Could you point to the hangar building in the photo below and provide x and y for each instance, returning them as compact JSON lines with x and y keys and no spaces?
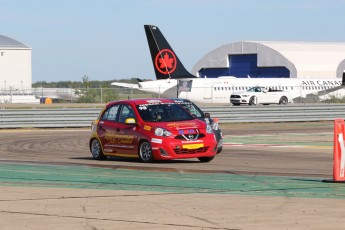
{"x":274,"y":59}
{"x":15,"y":65}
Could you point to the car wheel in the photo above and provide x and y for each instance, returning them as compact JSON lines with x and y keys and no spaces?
{"x":219,"y":150}
{"x":252,"y":101}
{"x":145,"y":152}
{"x":283,"y":100}
{"x":205,"y":159}
{"x":96,"y":150}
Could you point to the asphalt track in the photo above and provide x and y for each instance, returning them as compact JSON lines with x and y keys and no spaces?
{"x":269,"y":176}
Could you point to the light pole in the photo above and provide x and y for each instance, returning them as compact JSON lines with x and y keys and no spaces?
{"x":101,"y":94}
{"x":70,"y":95}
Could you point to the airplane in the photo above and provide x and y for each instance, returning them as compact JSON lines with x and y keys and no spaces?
{"x":173,"y":80}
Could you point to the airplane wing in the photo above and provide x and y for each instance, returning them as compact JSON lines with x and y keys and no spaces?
{"x":327,"y":91}
{"x":315,"y":97}
{"x":126,"y":85}
{"x":330,"y":90}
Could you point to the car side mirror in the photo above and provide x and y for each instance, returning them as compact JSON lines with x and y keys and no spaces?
{"x":130,"y":121}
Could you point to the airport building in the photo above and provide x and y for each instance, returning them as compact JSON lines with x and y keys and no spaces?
{"x":15,"y":72}
{"x":274,"y":59}
{"x":15,"y":65}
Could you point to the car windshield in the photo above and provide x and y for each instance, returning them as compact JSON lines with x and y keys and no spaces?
{"x":193,"y":109}
{"x":255,"y":89}
{"x":163,"y":113}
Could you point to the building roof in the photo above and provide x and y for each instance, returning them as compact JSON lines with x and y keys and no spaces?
{"x":303,"y":59}
{"x":10,"y":43}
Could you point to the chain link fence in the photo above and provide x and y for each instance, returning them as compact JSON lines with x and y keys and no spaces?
{"x":103,"y":95}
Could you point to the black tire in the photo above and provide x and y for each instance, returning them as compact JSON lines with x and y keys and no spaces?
{"x":219,"y":150}
{"x":252,"y":101}
{"x":96,"y":150}
{"x":205,"y":159}
{"x":283,"y":101}
{"x":145,"y":152}
{"x":236,"y":104}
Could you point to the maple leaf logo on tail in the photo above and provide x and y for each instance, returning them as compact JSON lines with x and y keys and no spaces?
{"x":165,"y":61}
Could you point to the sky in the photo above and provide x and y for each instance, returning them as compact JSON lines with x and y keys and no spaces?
{"x":105,"y":39}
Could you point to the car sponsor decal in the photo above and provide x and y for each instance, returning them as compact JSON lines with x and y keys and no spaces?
{"x":119,"y":146}
{"x":156,"y":140}
{"x":153,"y":101}
{"x":187,"y":131}
{"x":192,"y":146}
{"x":142,"y":107}
{"x":148,"y":128}
{"x":124,"y":146}
{"x":112,"y":138}
{"x":178,"y":125}
{"x":192,"y":141}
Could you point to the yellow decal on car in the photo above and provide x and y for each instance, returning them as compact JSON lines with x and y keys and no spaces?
{"x":193,"y":146}
{"x":177,"y":125}
{"x":146,"y":127}
{"x":113,"y":138}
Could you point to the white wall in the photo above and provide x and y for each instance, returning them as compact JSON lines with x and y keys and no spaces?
{"x":15,"y":69}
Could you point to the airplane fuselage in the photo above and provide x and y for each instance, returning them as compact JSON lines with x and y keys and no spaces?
{"x":218,"y":90}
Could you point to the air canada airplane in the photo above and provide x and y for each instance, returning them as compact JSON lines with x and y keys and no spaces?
{"x":173,"y":80}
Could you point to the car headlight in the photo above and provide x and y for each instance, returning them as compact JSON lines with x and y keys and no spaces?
{"x":162,"y":132}
{"x":209,"y":129}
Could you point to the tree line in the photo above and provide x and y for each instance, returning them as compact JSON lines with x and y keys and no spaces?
{"x":90,"y":91}
{"x":85,"y":83}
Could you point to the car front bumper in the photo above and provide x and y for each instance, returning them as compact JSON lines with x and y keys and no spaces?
{"x":177,"y":149}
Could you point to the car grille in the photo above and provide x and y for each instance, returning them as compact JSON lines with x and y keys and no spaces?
{"x":190,"y":136}
{"x":191,"y":151}
{"x":235,"y":96}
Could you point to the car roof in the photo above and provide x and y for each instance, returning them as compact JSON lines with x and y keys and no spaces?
{"x":142,"y":101}
{"x":180,"y":100}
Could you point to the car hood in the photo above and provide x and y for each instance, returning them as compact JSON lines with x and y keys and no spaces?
{"x":242,"y":92}
{"x":179,"y":125}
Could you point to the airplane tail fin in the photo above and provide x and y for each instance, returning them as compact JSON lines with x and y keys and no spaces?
{"x":165,"y":62}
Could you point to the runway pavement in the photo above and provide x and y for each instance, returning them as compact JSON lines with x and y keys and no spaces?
{"x":269,"y":176}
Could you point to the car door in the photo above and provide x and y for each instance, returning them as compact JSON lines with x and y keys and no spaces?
{"x":264,"y":96}
{"x":106,"y":128}
{"x":117,"y":137}
{"x":127,"y":134}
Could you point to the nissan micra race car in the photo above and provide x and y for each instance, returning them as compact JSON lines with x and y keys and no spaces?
{"x":150,"y":129}
{"x":198,"y":113}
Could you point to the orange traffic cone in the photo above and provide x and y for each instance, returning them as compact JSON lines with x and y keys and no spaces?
{"x":339,"y":151}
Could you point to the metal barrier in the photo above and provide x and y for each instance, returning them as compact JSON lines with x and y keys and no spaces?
{"x":47,"y":118}
{"x":277,"y":113}
{"x":82,"y":117}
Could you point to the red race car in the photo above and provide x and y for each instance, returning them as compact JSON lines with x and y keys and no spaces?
{"x":151,"y":129}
